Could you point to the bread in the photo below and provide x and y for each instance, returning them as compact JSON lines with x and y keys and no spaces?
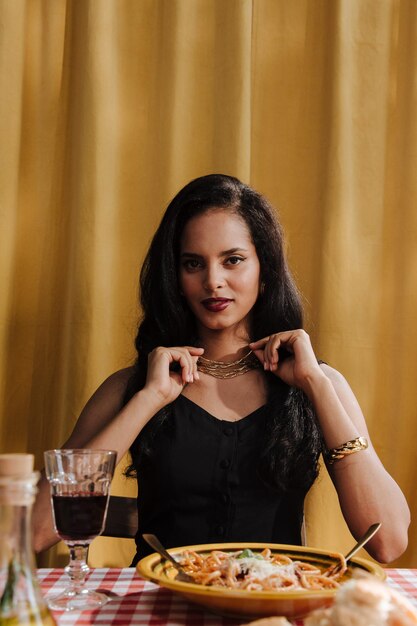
{"x":271,"y":621}
{"x":365,"y":601}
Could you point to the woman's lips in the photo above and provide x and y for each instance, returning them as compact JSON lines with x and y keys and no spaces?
{"x":216,"y":304}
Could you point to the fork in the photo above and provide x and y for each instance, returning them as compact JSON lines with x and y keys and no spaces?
{"x":154,"y":542}
{"x":333,"y":569}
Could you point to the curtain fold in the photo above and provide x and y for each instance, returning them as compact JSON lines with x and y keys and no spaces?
{"x":108,"y":107}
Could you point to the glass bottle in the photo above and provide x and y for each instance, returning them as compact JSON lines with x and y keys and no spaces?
{"x":21,"y":601}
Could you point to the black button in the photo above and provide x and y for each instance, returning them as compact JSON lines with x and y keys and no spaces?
{"x":225,"y":498}
{"x":225,"y":463}
{"x":228,"y":431}
{"x":219,"y":530}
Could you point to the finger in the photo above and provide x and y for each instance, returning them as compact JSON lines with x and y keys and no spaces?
{"x":293,"y":343}
{"x":187,"y":369}
{"x":260,"y":355}
{"x":272,"y":349}
{"x":257,"y":345}
{"x":194,"y":351}
{"x":195,"y":369}
{"x":183,"y":357}
{"x":268,"y":352}
{"x":195,"y":355}
{"x":262,"y":346}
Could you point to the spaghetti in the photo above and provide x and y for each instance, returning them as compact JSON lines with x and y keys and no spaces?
{"x":262,"y":571}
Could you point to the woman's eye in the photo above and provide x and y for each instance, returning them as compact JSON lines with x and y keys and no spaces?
{"x":191,"y":264}
{"x":234,"y":260}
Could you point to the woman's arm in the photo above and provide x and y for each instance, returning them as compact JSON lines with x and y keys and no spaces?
{"x":367,"y":493}
{"x":89,"y":431}
{"x":106,"y":424}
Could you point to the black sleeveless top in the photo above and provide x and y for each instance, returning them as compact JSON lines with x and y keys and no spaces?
{"x":200,"y":485}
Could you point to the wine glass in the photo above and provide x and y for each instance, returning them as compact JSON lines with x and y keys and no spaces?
{"x":80,"y":487}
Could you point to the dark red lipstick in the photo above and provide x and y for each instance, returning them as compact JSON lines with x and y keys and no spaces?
{"x":216,"y":304}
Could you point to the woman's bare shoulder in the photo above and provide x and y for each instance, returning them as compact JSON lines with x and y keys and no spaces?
{"x":114,"y":386}
{"x":345,"y":395}
{"x":334,"y":375}
{"x":119,"y":378}
{"x":105,"y":403}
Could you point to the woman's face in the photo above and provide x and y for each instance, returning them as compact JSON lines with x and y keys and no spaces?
{"x":219,"y":270}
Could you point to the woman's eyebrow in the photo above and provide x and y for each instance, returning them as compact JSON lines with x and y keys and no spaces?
{"x":190,"y":254}
{"x":233,"y":251}
{"x":224,"y":253}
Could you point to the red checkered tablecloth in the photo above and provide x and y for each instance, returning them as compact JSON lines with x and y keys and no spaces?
{"x":137,"y":602}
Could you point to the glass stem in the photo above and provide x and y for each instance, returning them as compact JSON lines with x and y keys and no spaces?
{"x":77,"y":568}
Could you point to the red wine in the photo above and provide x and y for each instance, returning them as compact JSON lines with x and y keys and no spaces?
{"x":79,"y":517}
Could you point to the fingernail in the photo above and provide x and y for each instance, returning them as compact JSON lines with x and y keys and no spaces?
{"x":197,"y":376}
{"x":265,"y":365}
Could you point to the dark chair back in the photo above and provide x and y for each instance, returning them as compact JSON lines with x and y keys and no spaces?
{"x":122,"y":518}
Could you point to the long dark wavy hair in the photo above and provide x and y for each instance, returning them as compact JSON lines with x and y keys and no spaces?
{"x":293,"y":441}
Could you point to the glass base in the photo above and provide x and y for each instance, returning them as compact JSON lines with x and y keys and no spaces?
{"x":84,"y":600}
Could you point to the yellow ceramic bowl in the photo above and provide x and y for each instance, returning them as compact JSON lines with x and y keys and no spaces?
{"x":251,"y":604}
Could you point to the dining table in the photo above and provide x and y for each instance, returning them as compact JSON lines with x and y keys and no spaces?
{"x":138,"y":602}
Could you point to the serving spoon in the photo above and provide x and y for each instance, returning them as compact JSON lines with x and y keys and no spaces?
{"x":154,"y":542}
{"x":333,"y":569}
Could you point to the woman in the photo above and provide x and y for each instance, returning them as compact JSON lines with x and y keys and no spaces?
{"x":227,"y":408}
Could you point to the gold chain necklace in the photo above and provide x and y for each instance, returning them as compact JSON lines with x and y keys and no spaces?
{"x":222,"y":369}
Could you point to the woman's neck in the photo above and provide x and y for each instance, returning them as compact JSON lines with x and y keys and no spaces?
{"x":223,"y":346}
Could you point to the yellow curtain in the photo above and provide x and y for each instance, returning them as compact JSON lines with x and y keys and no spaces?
{"x":107,"y":107}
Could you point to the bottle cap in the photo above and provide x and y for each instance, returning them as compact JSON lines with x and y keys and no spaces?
{"x":16,"y":465}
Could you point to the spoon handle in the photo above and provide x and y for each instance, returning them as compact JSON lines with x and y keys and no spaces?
{"x":154,"y":542}
{"x":333,"y":569}
{"x":366,"y":537}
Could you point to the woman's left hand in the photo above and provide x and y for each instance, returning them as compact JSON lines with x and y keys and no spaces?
{"x":299,"y":366}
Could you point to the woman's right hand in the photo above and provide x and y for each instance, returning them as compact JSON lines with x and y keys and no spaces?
{"x":166,"y":382}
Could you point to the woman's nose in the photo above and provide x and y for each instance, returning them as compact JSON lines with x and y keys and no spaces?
{"x":214,"y":278}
